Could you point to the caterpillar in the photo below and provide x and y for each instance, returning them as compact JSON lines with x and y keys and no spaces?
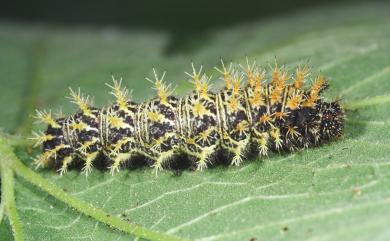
{"x":257,"y":111}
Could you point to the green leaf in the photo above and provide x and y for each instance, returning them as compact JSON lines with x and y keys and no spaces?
{"x":338,"y":191}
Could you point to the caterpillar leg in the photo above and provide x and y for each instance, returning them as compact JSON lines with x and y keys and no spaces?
{"x":89,"y":158}
{"x":60,"y":155}
{"x":276,"y":138}
{"x":88,"y":151}
{"x":239,"y":152}
{"x":161,"y":160}
{"x":118,"y":160}
{"x":65,"y":163}
{"x":204,"y":157}
{"x":57,"y":155}
{"x":119,"y":152}
{"x":237,"y":146}
{"x":261,"y":142}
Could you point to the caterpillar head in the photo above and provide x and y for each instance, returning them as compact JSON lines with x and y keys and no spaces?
{"x":332,"y":120}
{"x":52,"y":140}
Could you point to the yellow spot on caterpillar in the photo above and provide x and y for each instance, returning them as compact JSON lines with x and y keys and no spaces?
{"x":116,"y":147}
{"x":204,"y":135}
{"x":294,"y":102}
{"x":41,"y":161}
{"x":242,"y":127}
{"x":116,"y":122}
{"x":310,"y":102}
{"x":156,"y":145}
{"x":275,"y":75}
{"x":155,"y":117}
{"x":256,"y":99}
{"x":78,"y":126}
{"x":203,"y":157}
{"x":232,"y":104}
{"x":280,"y":115}
{"x":265,"y":118}
{"x":199,"y":109}
{"x":190,"y":141}
{"x":279,"y":77}
{"x":85,"y":145}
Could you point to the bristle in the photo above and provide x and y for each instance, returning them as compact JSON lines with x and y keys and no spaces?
{"x":82,"y":101}
{"x":250,"y":72}
{"x":41,"y":161}
{"x":236,"y":83}
{"x":40,"y":138}
{"x":64,"y":166}
{"x":259,"y":76}
{"x":120,"y":93}
{"x":315,"y":90}
{"x":275,"y":75}
{"x":196,"y":77}
{"x":163,"y":90}
{"x":294,"y":102}
{"x":226,"y":74}
{"x":204,"y":86}
{"x":301,"y":74}
{"x":46,"y":118}
{"x":201,"y":81}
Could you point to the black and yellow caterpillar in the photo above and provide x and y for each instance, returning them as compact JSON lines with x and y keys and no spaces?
{"x":270,"y":113}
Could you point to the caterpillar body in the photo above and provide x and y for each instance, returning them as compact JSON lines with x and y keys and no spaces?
{"x":272,"y":112}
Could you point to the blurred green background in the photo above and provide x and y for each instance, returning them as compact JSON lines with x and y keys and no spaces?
{"x":186,"y":21}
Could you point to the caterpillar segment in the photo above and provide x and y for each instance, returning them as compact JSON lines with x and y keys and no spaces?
{"x":117,"y":127}
{"x":199,"y":118}
{"x":255,"y":112}
{"x":158,"y":133}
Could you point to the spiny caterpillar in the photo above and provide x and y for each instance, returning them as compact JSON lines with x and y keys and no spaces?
{"x":270,"y":113}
